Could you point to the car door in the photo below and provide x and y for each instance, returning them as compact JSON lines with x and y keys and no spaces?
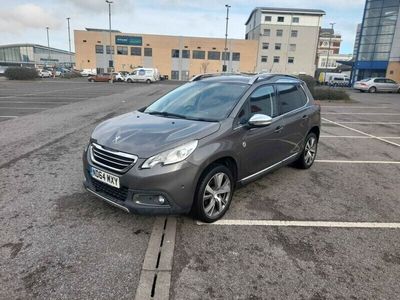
{"x":380,"y":84}
{"x":391,"y":85}
{"x":261,"y":145}
{"x":292,"y":102}
{"x":141,"y":75}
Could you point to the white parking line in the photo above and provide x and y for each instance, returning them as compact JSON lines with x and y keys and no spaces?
{"x":361,"y":113}
{"x":23,"y":107}
{"x":362,"y":132}
{"x":367,"y":107}
{"x":36,"y":102}
{"x":8,"y":117}
{"x":302,"y":224}
{"x":357,"y":137}
{"x":357,"y":161}
{"x":368,"y":123}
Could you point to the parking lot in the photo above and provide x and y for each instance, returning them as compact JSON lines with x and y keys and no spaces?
{"x":330,"y":232}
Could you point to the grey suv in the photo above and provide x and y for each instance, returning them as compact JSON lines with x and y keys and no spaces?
{"x":188,"y":150}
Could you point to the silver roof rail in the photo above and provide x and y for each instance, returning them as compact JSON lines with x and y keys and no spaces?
{"x":207,"y":75}
{"x":261,"y":76}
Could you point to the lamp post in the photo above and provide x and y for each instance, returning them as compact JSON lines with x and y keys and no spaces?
{"x":224,"y":68}
{"x":329,"y":50}
{"x":69,"y":43}
{"x":111,"y":63}
{"x":48,"y":44}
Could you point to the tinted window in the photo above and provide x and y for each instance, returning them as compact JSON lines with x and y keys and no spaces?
{"x":290,"y":97}
{"x":185,"y":53}
{"x":390,"y":81}
{"x":137,"y":51}
{"x":197,"y":54}
{"x":379,"y":80}
{"x":214,"y":55}
{"x":263,"y":101}
{"x":148,"y":52}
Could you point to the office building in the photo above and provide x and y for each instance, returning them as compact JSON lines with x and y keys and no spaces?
{"x":287,"y":39}
{"x":378,"y":54}
{"x":33,"y":55}
{"x":179,"y":57}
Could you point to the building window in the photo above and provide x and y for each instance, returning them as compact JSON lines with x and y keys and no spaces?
{"x":267,"y":32}
{"x":290,"y":60}
{"x":279,"y":32}
{"x":99,"y":49}
{"x":199,"y":54}
{"x":292,"y":47}
{"x":185,"y":53}
{"x":235,"y":56}
{"x":276,"y":59}
{"x":294,"y":33}
{"x":175,"y":53}
{"x":175,"y":75}
{"x":214,"y":55}
{"x":264,"y":59}
{"x":278,"y":46}
{"x":148,"y":51}
{"x":281,"y":19}
{"x":295,"y":20}
{"x":136,"y":51}
{"x":108,"y":49}
{"x":225,"y":56}
{"x":122,"y":50}
{"x":267,"y":18}
{"x":265,"y":46}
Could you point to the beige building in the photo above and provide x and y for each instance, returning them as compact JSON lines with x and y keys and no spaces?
{"x":287,"y":39}
{"x":179,"y":57}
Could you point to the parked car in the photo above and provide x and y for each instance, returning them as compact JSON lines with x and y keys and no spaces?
{"x":105,"y":77}
{"x":330,"y":78}
{"x":118,"y":76}
{"x":147,"y":75}
{"x":378,"y":84}
{"x":88,"y":72}
{"x":341,"y":81}
{"x":189,"y":149}
{"x":44,"y":73}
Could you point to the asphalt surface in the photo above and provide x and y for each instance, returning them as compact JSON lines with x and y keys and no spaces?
{"x":58,"y":242}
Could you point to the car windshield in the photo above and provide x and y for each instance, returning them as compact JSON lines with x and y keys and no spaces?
{"x":199,"y":100}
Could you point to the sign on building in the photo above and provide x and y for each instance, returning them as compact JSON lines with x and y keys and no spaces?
{"x":128,"y":40}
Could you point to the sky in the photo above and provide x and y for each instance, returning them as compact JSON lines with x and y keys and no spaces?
{"x":26,"y":21}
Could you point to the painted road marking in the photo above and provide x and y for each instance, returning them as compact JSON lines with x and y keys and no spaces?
{"x":361,"y":113}
{"x":368,"y":123}
{"x":357,"y":161}
{"x":302,"y":224}
{"x":1,"y":108}
{"x":362,"y":132}
{"x":368,"y":107}
{"x":37,"y":102}
{"x":357,"y":137}
{"x":8,"y":116}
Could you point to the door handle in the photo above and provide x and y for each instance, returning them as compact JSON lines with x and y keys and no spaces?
{"x":278,"y":129}
{"x":305,"y":117}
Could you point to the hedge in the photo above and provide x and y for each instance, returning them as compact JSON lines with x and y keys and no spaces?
{"x":20,"y":73}
{"x":330,"y":94}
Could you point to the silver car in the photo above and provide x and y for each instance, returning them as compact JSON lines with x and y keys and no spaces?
{"x":377,"y":84}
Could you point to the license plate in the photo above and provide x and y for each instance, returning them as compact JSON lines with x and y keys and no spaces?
{"x":104,"y":177}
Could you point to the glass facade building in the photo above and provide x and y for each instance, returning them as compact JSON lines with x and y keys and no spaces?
{"x":376,"y":38}
{"x":32,"y":55}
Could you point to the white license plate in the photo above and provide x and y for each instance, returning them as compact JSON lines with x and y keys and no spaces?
{"x":105,"y":177}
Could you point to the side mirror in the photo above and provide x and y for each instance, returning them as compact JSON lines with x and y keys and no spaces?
{"x":259,"y":120}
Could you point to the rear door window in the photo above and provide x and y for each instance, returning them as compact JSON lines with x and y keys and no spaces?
{"x":263,"y":101}
{"x":290,"y":97}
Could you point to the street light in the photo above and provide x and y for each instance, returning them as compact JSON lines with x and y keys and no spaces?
{"x":110,"y":64}
{"x":224,"y":68}
{"x":69,"y":43}
{"x":48,"y":44}
{"x":329,"y":50}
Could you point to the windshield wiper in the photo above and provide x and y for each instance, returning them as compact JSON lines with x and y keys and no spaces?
{"x":167,"y":114}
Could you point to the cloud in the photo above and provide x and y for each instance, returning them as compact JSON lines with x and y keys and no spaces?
{"x":27,"y":16}
{"x":100,"y":6}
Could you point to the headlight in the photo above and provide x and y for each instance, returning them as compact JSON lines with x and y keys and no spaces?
{"x":171,"y":156}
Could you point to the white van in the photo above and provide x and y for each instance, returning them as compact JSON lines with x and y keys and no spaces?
{"x":147,"y":75}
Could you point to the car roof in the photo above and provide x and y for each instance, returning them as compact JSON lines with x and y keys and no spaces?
{"x":247,"y":78}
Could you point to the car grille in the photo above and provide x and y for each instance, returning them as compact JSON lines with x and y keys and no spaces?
{"x":119,"y":194}
{"x":115,"y":161}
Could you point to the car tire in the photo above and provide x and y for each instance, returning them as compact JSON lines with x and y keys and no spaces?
{"x":307,"y":157}
{"x":372,"y":89}
{"x":148,"y":81}
{"x":398,"y":91}
{"x":361,"y":91}
{"x":129,"y":80}
{"x":209,"y":205}
{"x":91,"y":80}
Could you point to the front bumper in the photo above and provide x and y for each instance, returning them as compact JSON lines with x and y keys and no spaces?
{"x":175,"y":183}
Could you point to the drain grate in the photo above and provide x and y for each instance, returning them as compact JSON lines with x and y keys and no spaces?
{"x":155,"y":277}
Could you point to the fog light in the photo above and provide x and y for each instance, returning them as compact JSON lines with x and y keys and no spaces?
{"x":147,"y":199}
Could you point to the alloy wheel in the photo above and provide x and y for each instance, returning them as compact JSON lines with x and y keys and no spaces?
{"x":310,"y":150}
{"x":216,"y":194}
